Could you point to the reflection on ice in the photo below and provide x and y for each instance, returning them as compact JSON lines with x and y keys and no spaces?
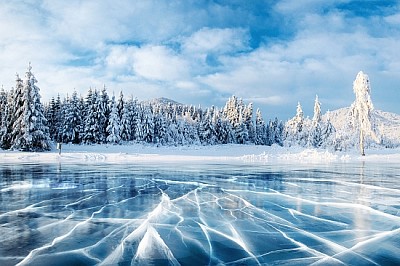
{"x":199,"y":215}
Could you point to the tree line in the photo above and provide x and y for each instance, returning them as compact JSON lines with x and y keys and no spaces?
{"x":97,"y":118}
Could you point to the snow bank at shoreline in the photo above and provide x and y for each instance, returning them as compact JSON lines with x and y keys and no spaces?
{"x":138,"y":153}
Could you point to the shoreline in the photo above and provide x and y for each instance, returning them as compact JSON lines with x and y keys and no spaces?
{"x":229,"y":153}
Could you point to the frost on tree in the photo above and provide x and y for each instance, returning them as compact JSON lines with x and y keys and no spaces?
{"x":30,"y":132}
{"x":361,"y":110}
{"x":295,"y":129}
{"x":315,"y":135}
{"x":113,"y":127}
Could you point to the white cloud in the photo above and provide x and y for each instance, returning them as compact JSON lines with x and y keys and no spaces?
{"x":214,"y":40}
{"x":159,"y":63}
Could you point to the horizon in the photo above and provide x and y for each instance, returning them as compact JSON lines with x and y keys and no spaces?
{"x":271,"y":53}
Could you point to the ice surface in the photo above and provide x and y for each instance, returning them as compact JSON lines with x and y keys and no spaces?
{"x":200,"y":214}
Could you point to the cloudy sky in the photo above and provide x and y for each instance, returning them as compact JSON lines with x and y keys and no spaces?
{"x":273,"y":53}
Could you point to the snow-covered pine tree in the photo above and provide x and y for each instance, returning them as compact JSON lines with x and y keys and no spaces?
{"x":103,"y":115}
{"x":361,"y":110}
{"x":126,"y":125}
{"x":3,"y":115}
{"x":16,"y":107}
{"x":64,"y":129}
{"x":72,"y":121}
{"x":275,"y":132}
{"x":248,"y":121}
{"x":206,"y":129}
{"x":217,"y":125}
{"x":113,"y":128}
{"x":328,"y":133}
{"x":232,"y":111}
{"x":160,"y":129}
{"x":92,"y":129}
{"x":145,"y":125}
{"x":271,"y":129}
{"x":315,"y":134}
{"x":120,"y":105}
{"x":9,"y":117}
{"x":294,"y":128}
{"x":53,"y":117}
{"x":279,"y":133}
{"x":260,"y":135}
{"x":135,"y":118}
{"x":34,"y":134}
{"x":190,"y":130}
{"x":317,"y":111}
{"x":240,"y":130}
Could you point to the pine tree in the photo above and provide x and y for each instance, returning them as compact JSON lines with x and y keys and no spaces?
{"x":16,"y":104}
{"x":248,"y":121}
{"x":294,"y":133}
{"x":120,"y":105}
{"x":34,"y":134}
{"x":362,"y":109}
{"x":53,"y":116}
{"x":3,"y":116}
{"x":240,"y":130}
{"x":71,"y":125}
{"x":64,"y":130}
{"x":144,"y":130}
{"x":92,"y":129}
{"x":328,"y":133}
{"x":160,"y":129}
{"x":103,"y":115}
{"x":279,"y":133}
{"x":126,"y":126}
{"x":148,"y":125}
{"x":315,"y":135}
{"x":260,"y":134}
{"x":113,"y":128}
{"x":317,"y":111}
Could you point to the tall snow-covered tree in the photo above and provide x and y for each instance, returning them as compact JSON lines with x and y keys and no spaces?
{"x":72,"y":122}
{"x":145,"y":126}
{"x":315,"y":134}
{"x":103,"y":114}
{"x":120,"y":105}
{"x":328,"y":133}
{"x":113,"y":128}
{"x":206,"y":129}
{"x":125,"y":128}
{"x":361,"y":110}
{"x":240,"y":129}
{"x":16,"y":108}
{"x":34,"y":134}
{"x":53,"y":116}
{"x":3,"y":115}
{"x":260,"y":134}
{"x":92,"y":128}
{"x":317,"y":111}
{"x":294,"y":133}
{"x":248,"y":121}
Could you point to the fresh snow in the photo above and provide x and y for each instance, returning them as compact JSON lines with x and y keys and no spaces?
{"x":230,"y":153}
{"x":388,"y":124}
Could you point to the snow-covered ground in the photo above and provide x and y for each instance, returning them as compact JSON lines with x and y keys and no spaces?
{"x":138,"y":153}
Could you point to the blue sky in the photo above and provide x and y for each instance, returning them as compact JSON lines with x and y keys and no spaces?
{"x":272,"y":53}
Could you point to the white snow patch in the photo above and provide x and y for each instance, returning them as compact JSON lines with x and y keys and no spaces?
{"x":138,"y":153}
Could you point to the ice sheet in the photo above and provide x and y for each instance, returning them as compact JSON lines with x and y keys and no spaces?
{"x":199,"y":214}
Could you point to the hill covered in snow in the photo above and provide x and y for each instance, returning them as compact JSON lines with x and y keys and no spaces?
{"x":387,"y":125}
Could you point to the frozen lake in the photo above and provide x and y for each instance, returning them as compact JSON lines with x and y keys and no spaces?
{"x":200,"y":214}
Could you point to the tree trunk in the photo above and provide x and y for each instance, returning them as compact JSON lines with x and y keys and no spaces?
{"x":362,"y":142}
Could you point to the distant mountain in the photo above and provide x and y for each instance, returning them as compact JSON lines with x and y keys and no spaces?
{"x":163,"y":101}
{"x":387,"y":124}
